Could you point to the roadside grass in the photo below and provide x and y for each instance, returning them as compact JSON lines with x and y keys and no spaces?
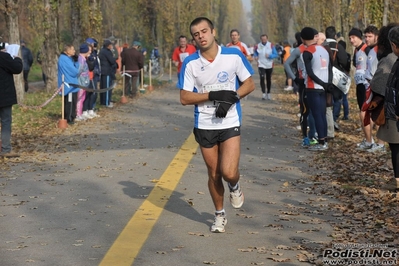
{"x":35,"y":73}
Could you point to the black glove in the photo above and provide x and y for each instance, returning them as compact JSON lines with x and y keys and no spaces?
{"x":222,"y":109}
{"x":326,"y":87}
{"x":299,"y":81}
{"x":329,"y":88}
{"x":75,"y":58}
{"x":224,"y":96}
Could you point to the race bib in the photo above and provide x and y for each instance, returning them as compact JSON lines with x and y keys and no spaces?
{"x":183,"y":56}
{"x":209,"y":106}
{"x":359,"y":77}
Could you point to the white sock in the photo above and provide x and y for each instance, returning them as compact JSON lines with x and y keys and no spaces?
{"x":222,"y":212}
{"x":233,"y":188}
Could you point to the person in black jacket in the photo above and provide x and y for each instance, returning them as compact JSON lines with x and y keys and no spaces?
{"x":340,"y":61}
{"x":108,"y":67}
{"x":27,"y":58}
{"x":8,"y":97}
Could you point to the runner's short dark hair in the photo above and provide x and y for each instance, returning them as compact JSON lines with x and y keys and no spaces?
{"x":393,"y":35}
{"x":198,"y":20}
{"x":371,"y":29}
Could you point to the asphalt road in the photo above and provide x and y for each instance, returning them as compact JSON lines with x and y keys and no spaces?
{"x":69,"y":204}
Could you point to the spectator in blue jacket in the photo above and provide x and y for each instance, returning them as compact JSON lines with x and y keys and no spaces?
{"x":68,"y":67}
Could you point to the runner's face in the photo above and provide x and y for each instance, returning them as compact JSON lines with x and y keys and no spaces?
{"x":370,"y":38}
{"x":183,"y":42}
{"x":355,"y":41}
{"x":263,"y":39}
{"x":235,"y":37}
{"x":203,"y":35}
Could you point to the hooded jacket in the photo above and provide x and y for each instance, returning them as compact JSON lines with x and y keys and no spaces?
{"x":8,"y":67}
{"x":70,"y":70}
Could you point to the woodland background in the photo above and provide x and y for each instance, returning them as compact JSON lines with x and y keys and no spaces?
{"x":45,"y":25}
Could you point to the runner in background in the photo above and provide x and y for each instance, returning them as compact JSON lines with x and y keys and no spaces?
{"x":236,"y":43}
{"x":181,"y":52}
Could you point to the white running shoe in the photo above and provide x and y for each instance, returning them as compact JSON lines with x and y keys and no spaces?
{"x":219,"y":223}
{"x":86,"y":115}
{"x":364,"y":145}
{"x":375,"y":147}
{"x":269,"y":97}
{"x":264,"y":96}
{"x":80,"y":118}
{"x":289,"y":88}
{"x":236,"y":197}
{"x":318,"y":147}
{"x":93,"y":114}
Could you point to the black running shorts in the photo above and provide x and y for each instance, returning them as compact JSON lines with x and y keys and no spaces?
{"x":209,"y":138}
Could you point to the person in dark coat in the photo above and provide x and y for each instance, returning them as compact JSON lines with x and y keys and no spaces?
{"x":9,"y":66}
{"x":27,"y":58}
{"x":133,"y":60}
{"x":108,"y":67}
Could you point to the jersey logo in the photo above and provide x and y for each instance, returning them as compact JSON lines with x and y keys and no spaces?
{"x":223,"y":76}
{"x":360,"y":58}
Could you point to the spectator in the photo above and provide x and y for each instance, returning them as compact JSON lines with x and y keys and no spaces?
{"x":133,"y":60}
{"x":39,"y":61}
{"x":317,"y":81}
{"x":340,"y":61}
{"x":84,"y":81}
{"x":108,"y":68}
{"x":28,"y":61}
{"x":8,"y":97}
{"x":286,"y":54}
{"x":95,"y":73}
{"x":306,"y":117}
{"x":360,"y":62}
{"x":68,"y":67}
{"x":389,"y":132}
{"x":114,"y":48}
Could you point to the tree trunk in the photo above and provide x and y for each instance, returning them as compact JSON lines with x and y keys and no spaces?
{"x":95,"y":19}
{"x":76,"y":24}
{"x":386,"y":11}
{"x":11,"y":17}
{"x":50,"y":50}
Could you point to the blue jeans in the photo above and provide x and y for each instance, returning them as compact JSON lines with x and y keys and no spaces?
{"x":337,"y":107}
{"x":312,"y":126}
{"x":317,"y":104}
{"x":6,"y":120}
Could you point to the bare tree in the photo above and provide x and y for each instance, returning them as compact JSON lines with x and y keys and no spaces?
{"x":50,"y":50}
{"x":76,"y":24}
{"x":385,"y":14}
{"x":10,"y":10}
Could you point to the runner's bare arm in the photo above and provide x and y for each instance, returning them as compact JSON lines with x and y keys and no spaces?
{"x":189,"y":97}
{"x":246,"y":87}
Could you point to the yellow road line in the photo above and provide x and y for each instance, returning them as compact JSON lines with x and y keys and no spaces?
{"x":129,"y":242}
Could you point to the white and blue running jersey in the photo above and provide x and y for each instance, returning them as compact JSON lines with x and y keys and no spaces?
{"x":201,"y":76}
